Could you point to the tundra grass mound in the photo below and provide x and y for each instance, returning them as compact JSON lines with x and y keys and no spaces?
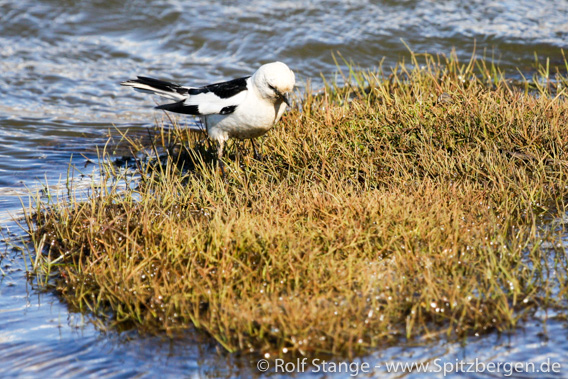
{"x":414,"y":203}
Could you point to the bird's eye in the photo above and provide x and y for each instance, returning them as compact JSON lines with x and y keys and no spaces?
{"x":272,"y":87}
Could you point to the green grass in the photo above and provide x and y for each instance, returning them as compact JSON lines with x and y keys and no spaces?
{"x":421,"y":202}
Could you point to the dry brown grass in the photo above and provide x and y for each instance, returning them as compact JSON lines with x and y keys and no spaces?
{"x":412,"y":204}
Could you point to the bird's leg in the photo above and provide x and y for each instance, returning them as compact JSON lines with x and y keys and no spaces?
{"x":220,"y":158}
{"x":257,"y":156}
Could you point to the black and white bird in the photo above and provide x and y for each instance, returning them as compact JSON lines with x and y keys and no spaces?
{"x":243,"y":108}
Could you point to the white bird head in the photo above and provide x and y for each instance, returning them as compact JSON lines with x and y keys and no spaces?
{"x":273,"y":81}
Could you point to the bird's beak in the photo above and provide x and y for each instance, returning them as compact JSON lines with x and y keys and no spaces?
{"x":283,"y":97}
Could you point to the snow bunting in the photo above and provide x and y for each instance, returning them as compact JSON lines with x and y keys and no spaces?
{"x":243,"y":108}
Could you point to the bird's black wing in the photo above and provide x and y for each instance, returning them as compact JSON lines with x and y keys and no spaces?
{"x":223,"y":90}
{"x":219,"y":98}
{"x":180,"y":107}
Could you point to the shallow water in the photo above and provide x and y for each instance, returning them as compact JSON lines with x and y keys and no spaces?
{"x":60,"y":64}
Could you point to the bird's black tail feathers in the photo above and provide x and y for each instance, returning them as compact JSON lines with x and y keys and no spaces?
{"x":159,"y":87}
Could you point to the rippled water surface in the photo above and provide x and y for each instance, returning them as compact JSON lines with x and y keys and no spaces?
{"x":60,"y":65}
